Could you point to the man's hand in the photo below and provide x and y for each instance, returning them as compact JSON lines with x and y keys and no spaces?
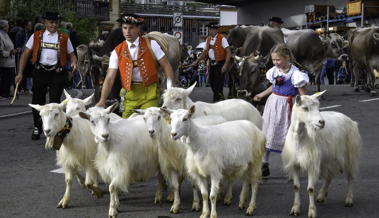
{"x":73,"y":66}
{"x":18,"y":78}
{"x":100,"y":104}
{"x":194,"y":63}
{"x":223,"y":69}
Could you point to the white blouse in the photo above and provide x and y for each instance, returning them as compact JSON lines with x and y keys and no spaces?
{"x":298,"y":78}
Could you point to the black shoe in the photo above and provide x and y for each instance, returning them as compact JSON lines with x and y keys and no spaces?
{"x":265,"y":169}
{"x":36,"y":134}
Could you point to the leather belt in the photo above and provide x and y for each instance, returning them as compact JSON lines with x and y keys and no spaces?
{"x":49,"y":68}
{"x":210,"y":46}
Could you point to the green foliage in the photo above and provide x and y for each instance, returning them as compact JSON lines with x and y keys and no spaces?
{"x":28,"y":9}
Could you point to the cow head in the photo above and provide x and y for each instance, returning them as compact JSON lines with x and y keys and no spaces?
{"x":249,"y":72}
{"x":334,"y":46}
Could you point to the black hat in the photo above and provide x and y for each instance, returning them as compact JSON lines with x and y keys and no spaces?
{"x":276,"y":19}
{"x":214,"y":25}
{"x":52,"y":15}
{"x":132,"y":18}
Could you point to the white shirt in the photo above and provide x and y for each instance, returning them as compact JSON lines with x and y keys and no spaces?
{"x":211,"y":53}
{"x":49,"y":56}
{"x":136,"y":77}
{"x":298,"y":78}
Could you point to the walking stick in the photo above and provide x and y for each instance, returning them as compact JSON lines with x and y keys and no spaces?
{"x":15,"y":93}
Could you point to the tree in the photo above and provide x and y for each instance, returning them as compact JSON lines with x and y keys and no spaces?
{"x":28,"y":9}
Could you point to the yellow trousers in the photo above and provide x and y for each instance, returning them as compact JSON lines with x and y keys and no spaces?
{"x":140,"y":98}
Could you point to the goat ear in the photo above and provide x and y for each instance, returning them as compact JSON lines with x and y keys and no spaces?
{"x":111,"y":108}
{"x":191,"y":110}
{"x":36,"y":106}
{"x":169,"y":83}
{"x":139,"y":111}
{"x":298,"y":100}
{"x":165,"y":110}
{"x":63,"y":103}
{"x":88,"y":100}
{"x":84,"y":115}
{"x":66,"y":94}
{"x":164,"y":113}
{"x":190,"y":89}
{"x":318,"y":94}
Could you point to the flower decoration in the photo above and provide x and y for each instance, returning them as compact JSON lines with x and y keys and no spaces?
{"x":257,"y":55}
{"x":60,"y":16}
{"x":279,"y":80}
{"x":127,"y":19}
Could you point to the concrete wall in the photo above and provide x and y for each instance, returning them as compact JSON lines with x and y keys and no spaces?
{"x":291,"y":11}
{"x":228,"y":17}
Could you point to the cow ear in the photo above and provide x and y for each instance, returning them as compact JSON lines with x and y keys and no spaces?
{"x":298,"y":100}
{"x":345,"y":43}
{"x":324,"y":40}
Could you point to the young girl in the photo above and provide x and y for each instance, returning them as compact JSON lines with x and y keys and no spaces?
{"x":287,"y":81}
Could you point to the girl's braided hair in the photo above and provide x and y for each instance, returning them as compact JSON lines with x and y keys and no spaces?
{"x":283,"y":50}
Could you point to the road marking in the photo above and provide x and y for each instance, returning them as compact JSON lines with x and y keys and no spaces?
{"x":373,"y":99}
{"x":333,"y":106}
{"x":60,"y":170}
{"x":15,"y":114}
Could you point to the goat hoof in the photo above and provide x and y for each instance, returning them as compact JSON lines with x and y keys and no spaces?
{"x":373,"y":94}
{"x":320,"y":201}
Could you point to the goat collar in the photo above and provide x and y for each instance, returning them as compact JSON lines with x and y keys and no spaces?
{"x":66,"y":129}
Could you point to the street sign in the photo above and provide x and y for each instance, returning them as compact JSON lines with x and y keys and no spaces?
{"x":179,"y":35}
{"x":178,"y":20}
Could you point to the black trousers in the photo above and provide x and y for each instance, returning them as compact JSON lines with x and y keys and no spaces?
{"x":6,"y":81}
{"x":42,"y":80}
{"x":216,"y":80}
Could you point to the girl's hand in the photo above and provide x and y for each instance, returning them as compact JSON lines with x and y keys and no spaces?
{"x":258,"y":97}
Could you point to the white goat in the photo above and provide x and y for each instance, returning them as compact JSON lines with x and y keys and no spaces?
{"x":77,"y":151}
{"x":125,"y":153}
{"x":171,"y":153}
{"x":320,"y":144}
{"x":76,"y":105}
{"x":231,"y":109}
{"x":230,"y":150}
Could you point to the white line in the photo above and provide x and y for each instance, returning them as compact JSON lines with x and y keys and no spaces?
{"x":373,"y":99}
{"x":15,"y":114}
{"x":60,"y":170}
{"x":333,"y":106}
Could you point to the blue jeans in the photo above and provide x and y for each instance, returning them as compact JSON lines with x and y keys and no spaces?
{"x":202,"y":79}
{"x":29,"y":84}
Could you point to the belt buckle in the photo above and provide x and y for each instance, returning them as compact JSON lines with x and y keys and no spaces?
{"x":135,"y":64}
{"x":214,"y":63}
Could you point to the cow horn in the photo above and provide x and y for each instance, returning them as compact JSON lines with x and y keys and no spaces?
{"x":237,"y":58}
{"x":376,"y":36}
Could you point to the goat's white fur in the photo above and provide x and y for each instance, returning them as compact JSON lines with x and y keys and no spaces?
{"x":230,"y":150}
{"x":320,"y":144}
{"x":172,"y":153}
{"x":76,"y":105}
{"x":231,"y":109}
{"x":78,"y":149}
{"x":125,"y":153}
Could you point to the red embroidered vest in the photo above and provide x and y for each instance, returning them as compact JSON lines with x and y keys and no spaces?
{"x":219,"y":51}
{"x":145,"y":63}
{"x":63,"y":38}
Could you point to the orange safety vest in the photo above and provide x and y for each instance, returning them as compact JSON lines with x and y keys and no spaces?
{"x":145,"y":63}
{"x":219,"y":51}
{"x":62,"y":55}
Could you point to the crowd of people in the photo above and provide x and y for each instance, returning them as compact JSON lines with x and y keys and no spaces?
{"x":12,"y":45}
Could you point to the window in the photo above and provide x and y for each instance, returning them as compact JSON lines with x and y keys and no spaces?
{"x":203,"y":30}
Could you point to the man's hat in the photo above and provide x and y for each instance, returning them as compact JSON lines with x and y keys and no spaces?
{"x":214,"y":25}
{"x":132,"y":18}
{"x":276,"y":19}
{"x":52,"y":15}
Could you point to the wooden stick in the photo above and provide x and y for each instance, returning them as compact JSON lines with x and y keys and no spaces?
{"x":15,"y":93}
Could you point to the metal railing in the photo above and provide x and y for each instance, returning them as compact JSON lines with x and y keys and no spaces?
{"x":89,"y":9}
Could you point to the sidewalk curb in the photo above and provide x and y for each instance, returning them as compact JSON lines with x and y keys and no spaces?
{"x":79,"y":94}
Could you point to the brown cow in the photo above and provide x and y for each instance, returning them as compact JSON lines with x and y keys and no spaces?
{"x":364,"y":55}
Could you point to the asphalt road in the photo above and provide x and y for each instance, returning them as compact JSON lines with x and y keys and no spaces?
{"x":28,"y":188}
